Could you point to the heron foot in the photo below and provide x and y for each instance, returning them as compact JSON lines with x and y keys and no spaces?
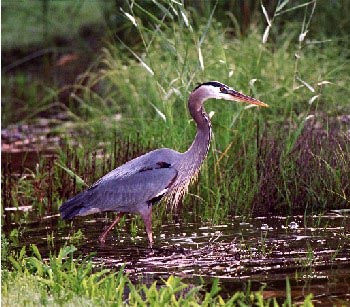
{"x":146,"y":215}
{"x":150,"y":241}
{"x":102,"y":237}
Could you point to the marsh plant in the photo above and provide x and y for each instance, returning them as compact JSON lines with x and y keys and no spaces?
{"x":291,"y":158}
{"x":135,"y":99}
{"x":261,"y":158}
{"x":65,"y":279}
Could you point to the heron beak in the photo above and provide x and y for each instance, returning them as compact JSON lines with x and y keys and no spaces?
{"x":236,"y":96}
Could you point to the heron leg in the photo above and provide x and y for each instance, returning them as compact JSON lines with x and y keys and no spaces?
{"x":146,"y":215}
{"x":102,"y":237}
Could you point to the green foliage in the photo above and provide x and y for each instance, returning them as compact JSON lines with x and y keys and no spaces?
{"x":5,"y":250}
{"x":297,"y":65}
{"x":297,"y":75}
{"x":77,"y":237}
{"x":14,"y":235}
{"x":80,"y":182}
{"x":63,"y":280}
{"x":27,"y":23}
{"x":258,"y":158}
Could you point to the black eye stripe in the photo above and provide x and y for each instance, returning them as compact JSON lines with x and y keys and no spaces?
{"x":212,"y":83}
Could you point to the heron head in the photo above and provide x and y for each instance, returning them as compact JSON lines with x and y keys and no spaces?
{"x":218,"y":90}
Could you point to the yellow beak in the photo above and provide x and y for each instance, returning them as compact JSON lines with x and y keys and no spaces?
{"x":237,"y":96}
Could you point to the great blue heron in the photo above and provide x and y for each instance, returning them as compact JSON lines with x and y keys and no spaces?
{"x":137,"y":185}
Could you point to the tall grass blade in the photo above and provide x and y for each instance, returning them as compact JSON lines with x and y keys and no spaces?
{"x":295,"y":7}
{"x":309,"y":87}
{"x":266,"y":34}
{"x":160,"y":113}
{"x":76,"y":177}
{"x":281,"y":5}
{"x":138,"y":58}
{"x":130,"y":17}
{"x":200,"y":58}
{"x":265,"y":14}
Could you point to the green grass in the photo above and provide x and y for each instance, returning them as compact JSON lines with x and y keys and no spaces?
{"x":24,"y":98}
{"x":258,"y":160}
{"x":60,"y":280}
{"x":25,"y":24}
{"x":149,"y":86}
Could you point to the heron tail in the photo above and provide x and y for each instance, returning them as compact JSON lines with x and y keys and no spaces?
{"x":72,"y":207}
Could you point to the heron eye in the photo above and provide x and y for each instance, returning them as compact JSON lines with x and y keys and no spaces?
{"x":222,"y":89}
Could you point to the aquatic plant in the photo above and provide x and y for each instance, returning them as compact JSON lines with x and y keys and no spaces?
{"x":61,"y":279}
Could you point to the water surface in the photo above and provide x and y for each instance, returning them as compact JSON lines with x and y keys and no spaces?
{"x":314,"y":252}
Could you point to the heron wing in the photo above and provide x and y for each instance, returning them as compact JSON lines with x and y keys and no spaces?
{"x":123,"y":191}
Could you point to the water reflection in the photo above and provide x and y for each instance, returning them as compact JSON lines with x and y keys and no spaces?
{"x":313,"y":252}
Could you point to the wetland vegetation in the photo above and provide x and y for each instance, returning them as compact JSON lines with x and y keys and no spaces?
{"x":268,"y":221}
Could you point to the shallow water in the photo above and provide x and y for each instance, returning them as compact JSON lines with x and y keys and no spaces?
{"x":314,"y":252}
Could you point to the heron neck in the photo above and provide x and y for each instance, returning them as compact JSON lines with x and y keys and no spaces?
{"x":200,"y":146}
{"x":193,"y":158}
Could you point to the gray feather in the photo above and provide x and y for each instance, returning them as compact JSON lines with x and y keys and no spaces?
{"x":127,"y":187}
